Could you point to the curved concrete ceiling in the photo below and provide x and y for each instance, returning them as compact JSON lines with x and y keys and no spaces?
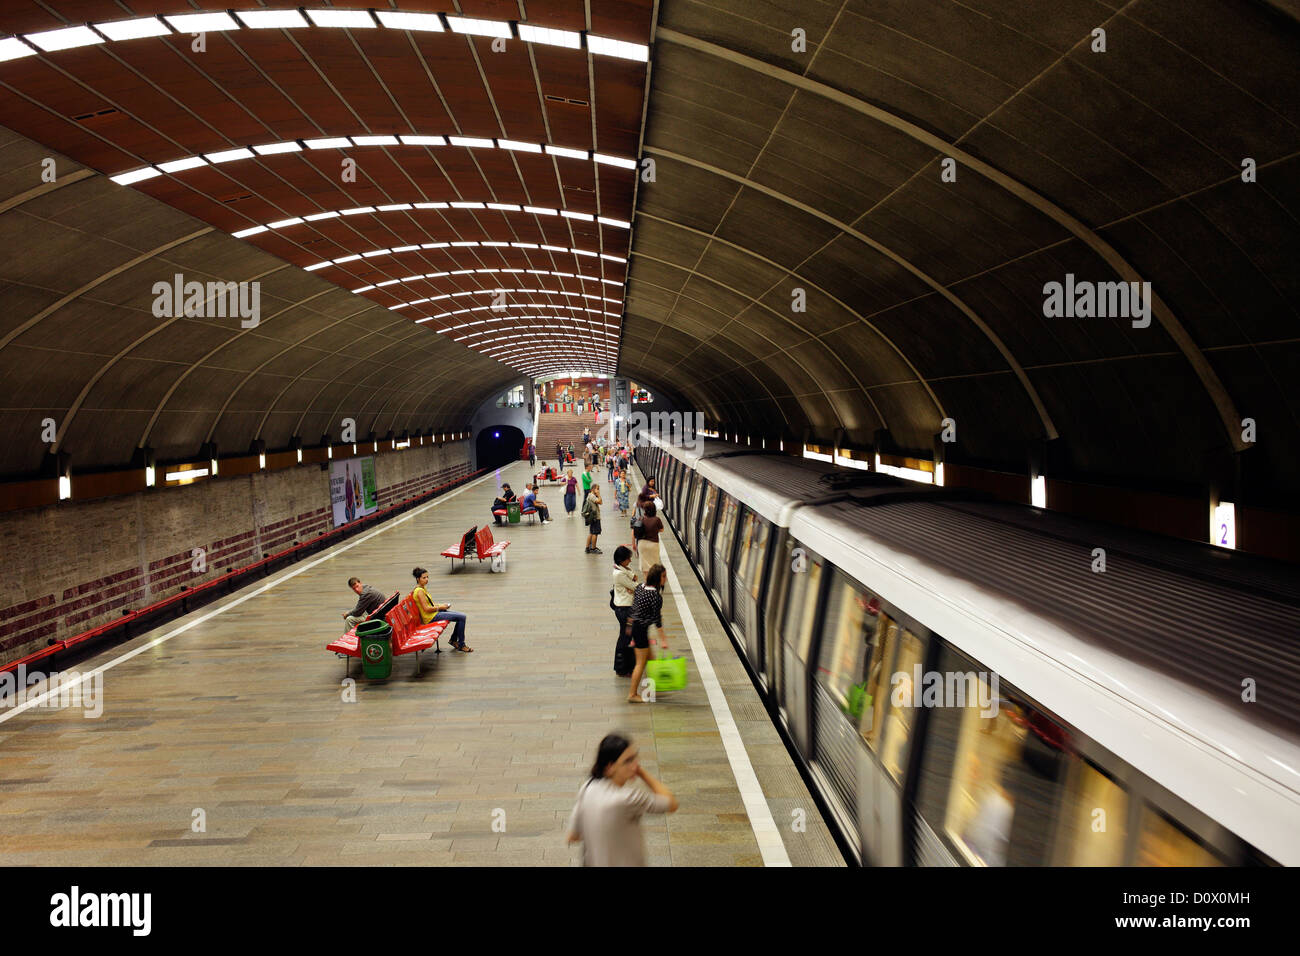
{"x":848,"y":239}
{"x":822,"y":170}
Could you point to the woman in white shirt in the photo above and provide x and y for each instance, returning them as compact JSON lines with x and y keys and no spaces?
{"x":607,"y":817}
{"x":623,"y":592}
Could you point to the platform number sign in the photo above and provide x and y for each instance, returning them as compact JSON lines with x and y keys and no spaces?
{"x":1223,"y":525}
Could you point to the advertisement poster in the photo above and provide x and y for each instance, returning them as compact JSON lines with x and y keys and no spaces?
{"x":352,"y":489}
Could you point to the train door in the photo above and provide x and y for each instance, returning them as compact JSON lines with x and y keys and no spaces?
{"x":722,"y":547}
{"x":690,"y":514}
{"x":751,"y":554}
{"x":704,"y":530}
{"x":798,"y":629}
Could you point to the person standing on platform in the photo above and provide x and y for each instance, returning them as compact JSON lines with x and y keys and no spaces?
{"x":559,"y":455}
{"x":532,"y":456}
{"x":621,"y":490}
{"x":609,"y":466}
{"x":647,"y":612}
{"x":623,"y":591}
{"x":587,"y":482}
{"x":431,"y":612}
{"x":571,"y":458}
{"x":368,"y":599}
{"x":651,"y":525}
{"x":570,"y":494}
{"x":591,"y":514}
{"x":606,"y":818}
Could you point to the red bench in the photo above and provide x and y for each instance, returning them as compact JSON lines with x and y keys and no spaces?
{"x":409,"y":635}
{"x":484,"y":548}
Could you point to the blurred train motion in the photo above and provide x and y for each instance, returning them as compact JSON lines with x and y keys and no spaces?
{"x":964,"y":684}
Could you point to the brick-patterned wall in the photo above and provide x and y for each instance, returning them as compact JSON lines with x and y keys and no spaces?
{"x":76,"y":565}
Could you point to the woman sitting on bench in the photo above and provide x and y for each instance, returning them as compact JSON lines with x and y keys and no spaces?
{"x":430,"y":612}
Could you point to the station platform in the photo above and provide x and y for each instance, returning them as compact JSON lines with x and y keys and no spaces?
{"x":235,"y":717}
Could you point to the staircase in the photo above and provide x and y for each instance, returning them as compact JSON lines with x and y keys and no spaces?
{"x":566,"y":428}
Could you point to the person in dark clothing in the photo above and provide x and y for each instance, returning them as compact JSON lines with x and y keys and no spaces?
{"x":368,"y":599}
{"x":500,"y":501}
{"x":532,"y":456}
{"x":647,"y":612}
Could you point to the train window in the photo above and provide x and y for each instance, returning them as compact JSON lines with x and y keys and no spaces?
{"x":1094,"y":819}
{"x":753,"y":552}
{"x":726,"y":533}
{"x":848,"y":634}
{"x":688,"y":518}
{"x":874,"y":683}
{"x":900,"y":715}
{"x":1164,"y":843}
{"x":1008,"y":774}
{"x":706,"y":516}
{"x":802,"y":604}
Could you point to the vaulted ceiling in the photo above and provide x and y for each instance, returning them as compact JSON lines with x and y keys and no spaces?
{"x":473,"y":172}
{"x":820,"y":168}
{"x":843,"y":229}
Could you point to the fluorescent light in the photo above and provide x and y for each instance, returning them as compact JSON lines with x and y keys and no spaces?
{"x":375,"y":140}
{"x":404,"y":248}
{"x":1038,"y":492}
{"x":248,"y":232}
{"x":616,"y":223}
{"x":542,"y":210}
{"x":470,"y":141}
{"x":614,"y":160}
{"x":424,"y":140}
{"x":364,"y":288}
{"x":280,"y":224}
{"x":135,"y":176}
{"x":226,"y":155}
{"x":380,"y":285}
{"x":65,"y":487}
{"x":467,"y":205}
{"x":431,"y":205}
{"x":271,"y":19}
{"x":317,"y":217}
{"x":555,"y":248}
{"x":201,"y":22}
{"x":375,"y":252}
{"x":394,"y":207}
{"x":270,"y":149}
{"x":11,"y":48}
{"x":619,"y":48}
{"x":341,"y":18}
{"x":357,"y":211}
{"x":565,"y":151}
{"x":524,"y":245}
{"x":176,"y":165}
{"x":564,"y":38}
{"x":409,"y":21}
{"x":520,"y":147}
{"x":318,"y":265}
{"x":65,"y":39}
{"x":584,"y":216}
{"x":479,"y":28}
{"x":334,"y":142}
{"x":504,"y":206}
{"x":182,"y":475}
{"x":133,"y":29}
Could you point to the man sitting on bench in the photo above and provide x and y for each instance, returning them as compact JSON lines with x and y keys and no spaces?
{"x":530,"y":501}
{"x":368,"y":600}
{"x":501,"y":501}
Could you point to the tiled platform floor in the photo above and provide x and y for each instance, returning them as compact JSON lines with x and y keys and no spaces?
{"x":476,"y":762}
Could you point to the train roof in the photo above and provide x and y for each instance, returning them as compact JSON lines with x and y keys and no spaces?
{"x":1148,"y":658}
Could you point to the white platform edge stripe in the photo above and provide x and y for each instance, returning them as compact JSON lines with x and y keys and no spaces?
{"x":770,"y":844}
{"x":334,"y":550}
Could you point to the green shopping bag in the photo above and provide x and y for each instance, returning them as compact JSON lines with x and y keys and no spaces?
{"x":668,"y":673}
{"x":858,"y":700}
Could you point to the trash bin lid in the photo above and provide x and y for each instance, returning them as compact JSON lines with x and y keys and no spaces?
{"x":374,"y":629}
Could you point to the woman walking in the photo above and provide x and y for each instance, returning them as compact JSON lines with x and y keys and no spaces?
{"x":606,"y":819}
{"x":623,"y":591}
{"x":647,"y":612}
{"x":570,"y":494}
{"x":651,"y":525}
{"x":591,"y":514}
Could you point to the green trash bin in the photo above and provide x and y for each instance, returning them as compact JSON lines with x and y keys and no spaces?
{"x":374,"y":639}
{"x":512,"y":512}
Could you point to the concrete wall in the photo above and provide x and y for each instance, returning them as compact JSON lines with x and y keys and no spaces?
{"x":73,"y":566}
{"x":490,"y":414}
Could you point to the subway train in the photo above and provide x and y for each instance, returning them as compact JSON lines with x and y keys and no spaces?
{"x":968,"y":682}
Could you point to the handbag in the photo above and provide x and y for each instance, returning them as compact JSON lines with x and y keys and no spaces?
{"x":668,"y":673}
